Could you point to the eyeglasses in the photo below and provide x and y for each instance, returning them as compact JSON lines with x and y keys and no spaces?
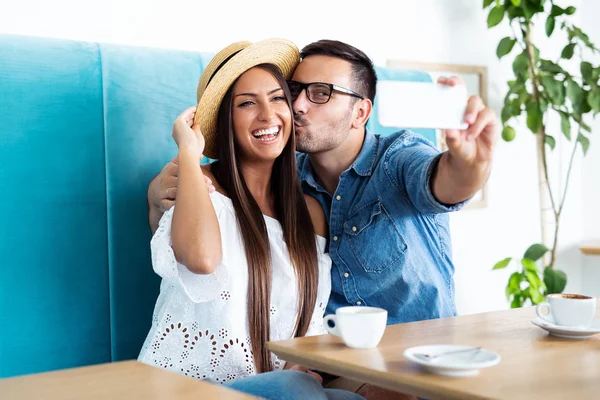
{"x":318,"y":92}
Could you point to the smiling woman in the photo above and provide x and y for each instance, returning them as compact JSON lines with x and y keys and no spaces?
{"x":246,"y":264}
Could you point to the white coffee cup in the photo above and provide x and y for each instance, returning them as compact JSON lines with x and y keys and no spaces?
{"x":574,"y":310}
{"x":359,"y":327}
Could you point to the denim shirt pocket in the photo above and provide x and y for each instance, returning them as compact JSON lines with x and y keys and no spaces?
{"x":374,"y":238}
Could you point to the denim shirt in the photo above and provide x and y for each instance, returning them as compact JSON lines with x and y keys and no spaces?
{"x":389,"y":237}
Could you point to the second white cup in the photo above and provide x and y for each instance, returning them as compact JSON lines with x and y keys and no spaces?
{"x":574,"y":310}
{"x":359,"y":327}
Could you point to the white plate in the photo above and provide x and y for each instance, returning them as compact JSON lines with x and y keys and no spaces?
{"x":465,"y":363}
{"x":567,"y":331}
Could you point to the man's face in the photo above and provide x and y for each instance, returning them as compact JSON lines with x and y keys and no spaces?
{"x":323,"y":127}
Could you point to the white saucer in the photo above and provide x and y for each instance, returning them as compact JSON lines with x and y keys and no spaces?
{"x":567,"y":331}
{"x":458,"y":364}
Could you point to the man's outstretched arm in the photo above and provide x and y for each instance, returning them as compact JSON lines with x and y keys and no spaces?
{"x":439,"y":183}
{"x":466,"y":166}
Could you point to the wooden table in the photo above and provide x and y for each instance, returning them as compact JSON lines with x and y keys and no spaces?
{"x":534,"y":365}
{"x":591,"y":248}
{"x":122,"y":380}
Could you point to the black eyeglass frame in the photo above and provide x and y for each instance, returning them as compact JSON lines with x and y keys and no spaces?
{"x":332,"y":88}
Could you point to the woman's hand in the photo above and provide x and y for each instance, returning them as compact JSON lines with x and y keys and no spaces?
{"x":186,"y":134}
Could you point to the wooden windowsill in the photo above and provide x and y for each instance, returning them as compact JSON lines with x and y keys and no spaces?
{"x":591,"y":248}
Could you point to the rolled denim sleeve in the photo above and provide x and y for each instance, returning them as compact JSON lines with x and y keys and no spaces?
{"x":409,"y":164}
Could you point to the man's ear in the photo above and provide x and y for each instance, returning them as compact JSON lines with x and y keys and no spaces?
{"x":363,"y":113}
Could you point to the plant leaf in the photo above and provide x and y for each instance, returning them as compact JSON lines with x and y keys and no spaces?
{"x":567,"y":51}
{"x":506,"y":113}
{"x":502,"y":264}
{"x":528,"y":10}
{"x":556,"y":11}
{"x":534,"y":117}
{"x":550,"y":25}
{"x":486,"y":3}
{"x":535,"y":252}
{"x":570,"y":10}
{"x":549,"y":66}
{"x":505,"y":46}
{"x":575,"y":94}
{"x":513,"y":287}
{"x":585,"y":107}
{"x":565,"y":124}
{"x":587,"y":72}
{"x":550,"y":141}
{"x":585,"y":143}
{"x":555,"y":280}
{"x":514,"y":281}
{"x":593,"y":99}
{"x":495,"y":16}
{"x":508,"y":291}
{"x":516,"y":3}
{"x":520,"y":65}
{"x":577,"y":116}
{"x":515,"y":107}
{"x":533,"y":279}
{"x":577,"y":32}
{"x":517,"y":88}
{"x":555,"y":90}
{"x":514,"y":12}
{"x":543,"y":105}
{"x":529,"y":265}
{"x":535,"y":296}
{"x":517,"y":302}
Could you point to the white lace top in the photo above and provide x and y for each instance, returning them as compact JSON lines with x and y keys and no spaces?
{"x":199,"y":327}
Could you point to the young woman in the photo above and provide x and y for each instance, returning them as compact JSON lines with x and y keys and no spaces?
{"x":246,"y":264}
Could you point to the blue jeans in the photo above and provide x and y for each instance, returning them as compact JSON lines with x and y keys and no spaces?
{"x":288,"y":385}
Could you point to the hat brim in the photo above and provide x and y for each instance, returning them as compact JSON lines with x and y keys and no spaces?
{"x":279,"y":52}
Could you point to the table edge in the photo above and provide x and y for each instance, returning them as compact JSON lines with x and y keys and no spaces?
{"x":382,"y":379}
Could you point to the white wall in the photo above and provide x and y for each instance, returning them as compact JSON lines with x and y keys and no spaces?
{"x":426,"y":30}
{"x":591,"y":168}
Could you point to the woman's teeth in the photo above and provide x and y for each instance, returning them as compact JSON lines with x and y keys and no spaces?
{"x":266,"y":134}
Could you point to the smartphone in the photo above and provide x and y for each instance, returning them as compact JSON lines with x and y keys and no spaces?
{"x":421,"y":105}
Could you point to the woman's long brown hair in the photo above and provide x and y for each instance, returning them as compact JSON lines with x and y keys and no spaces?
{"x":292,"y":213}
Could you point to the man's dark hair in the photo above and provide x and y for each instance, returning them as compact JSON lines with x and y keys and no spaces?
{"x":363,"y":71}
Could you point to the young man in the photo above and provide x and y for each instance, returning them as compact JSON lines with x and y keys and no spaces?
{"x":386,"y":198}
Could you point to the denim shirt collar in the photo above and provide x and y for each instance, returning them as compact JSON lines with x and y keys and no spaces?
{"x":363,"y":165}
{"x":307,"y":172}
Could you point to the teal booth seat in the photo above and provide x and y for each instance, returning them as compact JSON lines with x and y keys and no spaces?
{"x":83,"y":128}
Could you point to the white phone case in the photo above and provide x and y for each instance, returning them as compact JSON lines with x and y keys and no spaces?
{"x":421,"y":105}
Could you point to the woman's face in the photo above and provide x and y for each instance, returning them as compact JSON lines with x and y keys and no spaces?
{"x":262,"y":120}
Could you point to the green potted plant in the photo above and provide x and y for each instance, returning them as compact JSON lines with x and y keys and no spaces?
{"x":542,"y":87}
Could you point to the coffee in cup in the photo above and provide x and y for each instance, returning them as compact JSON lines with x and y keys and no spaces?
{"x":573,"y":310}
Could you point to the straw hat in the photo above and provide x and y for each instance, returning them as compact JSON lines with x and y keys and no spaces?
{"x":225,"y":67}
